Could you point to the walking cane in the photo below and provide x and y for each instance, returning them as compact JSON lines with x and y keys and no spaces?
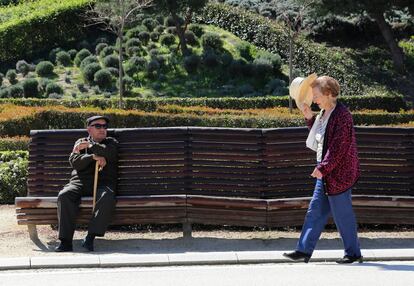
{"x":95,"y":185}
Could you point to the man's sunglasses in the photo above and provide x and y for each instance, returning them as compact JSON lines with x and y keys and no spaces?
{"x":99,"y":126}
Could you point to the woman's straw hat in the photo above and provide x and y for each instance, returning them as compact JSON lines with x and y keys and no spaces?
{"x":301,"y":91}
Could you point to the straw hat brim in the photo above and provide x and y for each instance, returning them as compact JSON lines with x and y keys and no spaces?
{"x":301,"y":91}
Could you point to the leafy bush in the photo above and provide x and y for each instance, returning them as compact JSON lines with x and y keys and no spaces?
{"x":44,"y":69}
{"x":167,"y":40}
{"x":16,"y":91}
{"x":72,"y":53}
{"x":30,"y":87}
{"x":111,"y":61}
{"x":103,"y":79}
{"x":107,"y":51}
{"x":81,"y":55}
{"x":159,"y":29}
{"x":89,"y":71}
{"x":1,"y":79}
{"x":99,"y":47}
{"x":88,"y":60}
{"x":22,"y":67}
{"x":245,"y":50}
{"x":13,"y":177}
{"x":191,"y":63}
{"x":114,"y":71}
{"x":134,"y":32}
{"x":154,"y":36}
{"x":210,"y":59}
{"x":144,"y":37}
{"x":190,"y":38}
{"x":53,"y":87}
{"x":11,"y":76}
{"x":276,"y":87}
{"x":53,"y":53}
{"x":4,"y":92}
{"x":262,"y":67}
{"x":274,"y":59}
{"x":197,"y":29}
{"x":63,"y":58}
{"x":212,"y":41}
{"x":18,"y":143}
{"x":150,"y":24}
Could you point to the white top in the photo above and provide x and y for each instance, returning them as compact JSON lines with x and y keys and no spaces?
{"x":320,"y":132}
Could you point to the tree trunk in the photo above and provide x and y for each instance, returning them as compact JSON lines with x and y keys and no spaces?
{"x":396,"y":52}
{"x":290,"y":69}
{"x":180,"y":33}
{"x":121,"y":70}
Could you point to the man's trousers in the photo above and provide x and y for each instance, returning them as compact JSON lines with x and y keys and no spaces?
{"x":68,"y":208}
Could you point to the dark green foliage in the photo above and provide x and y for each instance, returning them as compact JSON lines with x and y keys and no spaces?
{"x":89,"y":71}
{"x":53,"y":53}
{"x":190,"y":38}
{"x":210,"y":59}
{"x":103,"y":79}
{"x":262,"y":67}
{"x":245,"y":50}
{"x":150,"y":24}
{"x":212,"y":41}
{"x":22,"y":67}
{"x":81,"y":55}
{"x":159,"y":29}
{"x":88,"y":60}
{"x":72,"y":53}
{"x":16,"y":91}
{"x":53,"y":87}
{"x":11,"y":76}
{"x":1,"y":79}
{"x":144,"y":37}
{"x":191,"y":63}
{"x":134,"y":32}
{"x":13,"y":175}
{"x":30,"y":87}
{"x":167,"y":39}
{"x":63,"y":58}
{"x":111,"y":61}
{"x":197,"y":29}
{"x":107,"y":51}
{"x":99,"y":47}
{"x":45,"y":69}
{"x":154,"y":36}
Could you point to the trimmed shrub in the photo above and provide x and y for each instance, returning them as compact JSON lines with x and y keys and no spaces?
{"x":114,"y":71}
{"x":262,"y":67}
{"x":11,"y":76}
{"x":274,"y":59}
{"x":53,"y":87}
{"x":4,"y":92}
{"x":171,"y":30}
{"x":99,"y":47}
{"x":159,"y":29}
{"x":43,"y":82}
{"x":276,"y":87}
{"x":30,"y":87}
{"x":191,"y":63}
{"x":169,"y":21}
{"x":144,"y":37}
{"x":84,"y":44}
{"x":53,"y":53}
{"x":22,"y":67}
{"x":103,"y":78}
{"x":107,"y":51}
{"x":153,"y":66}
{"x":72,"y":53}
{"x":197,"y":29}
{"x":63,"y":58}
{"x":81,"y":55}
{"x":89,"y":71}
{"x":111,"y":61}
{"x":190,"y":38}
{"x":44,"y":69}
{"x":16,"y":91}
{"x":245,"y":50}
{"x":18,"y":143}
{"x":88,"y":60}
{"x":212,"y":41}
{"x":167,"y":40}
{"x":154,"y":36}
{"x":134,"y":32}
{"x":210,"y":59}
{"x":150,"y":24}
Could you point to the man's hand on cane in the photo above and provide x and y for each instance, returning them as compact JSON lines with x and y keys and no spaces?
{"x":101,"y":161}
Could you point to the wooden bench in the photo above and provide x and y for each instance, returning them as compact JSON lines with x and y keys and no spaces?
{"x":222,"y":176}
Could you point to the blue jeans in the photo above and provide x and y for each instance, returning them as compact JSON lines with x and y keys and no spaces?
{"x":320,"y":207}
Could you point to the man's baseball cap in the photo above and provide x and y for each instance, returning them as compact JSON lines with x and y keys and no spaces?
{"x":96,"y":117}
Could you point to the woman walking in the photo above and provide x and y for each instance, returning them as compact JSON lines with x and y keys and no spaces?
{"x":332,"y":137}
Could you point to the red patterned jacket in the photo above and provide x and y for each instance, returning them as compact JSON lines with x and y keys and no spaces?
{"x":340,"y":163}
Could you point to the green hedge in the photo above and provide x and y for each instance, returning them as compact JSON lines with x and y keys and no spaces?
{"x":14,"y":143}
{"x":56,"y":119}
{"x":13,"y":175}
{"x":388,"y":103}
{"x":267,"y":34}
{"x":34,"y":26}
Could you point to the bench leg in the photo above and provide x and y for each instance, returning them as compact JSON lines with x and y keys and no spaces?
{"x":187,"y":230}
{"x":32,"y":232}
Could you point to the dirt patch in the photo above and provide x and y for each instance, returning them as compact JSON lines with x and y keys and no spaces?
{"x":15,"y":241}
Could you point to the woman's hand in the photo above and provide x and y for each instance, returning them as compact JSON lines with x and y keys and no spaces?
{"x":306,"y":110}
{"x":316,"y":173}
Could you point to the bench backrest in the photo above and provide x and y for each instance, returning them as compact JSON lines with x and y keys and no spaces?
{"x":235,"y":162}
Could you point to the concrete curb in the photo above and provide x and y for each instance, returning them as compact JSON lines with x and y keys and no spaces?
{"x":189,"y":258}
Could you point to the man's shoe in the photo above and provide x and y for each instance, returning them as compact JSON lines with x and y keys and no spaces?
{"x":350,"y":259}
{"x":87,"y":243}
{"x":297,"y":256}
{"x":64,"y":247}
